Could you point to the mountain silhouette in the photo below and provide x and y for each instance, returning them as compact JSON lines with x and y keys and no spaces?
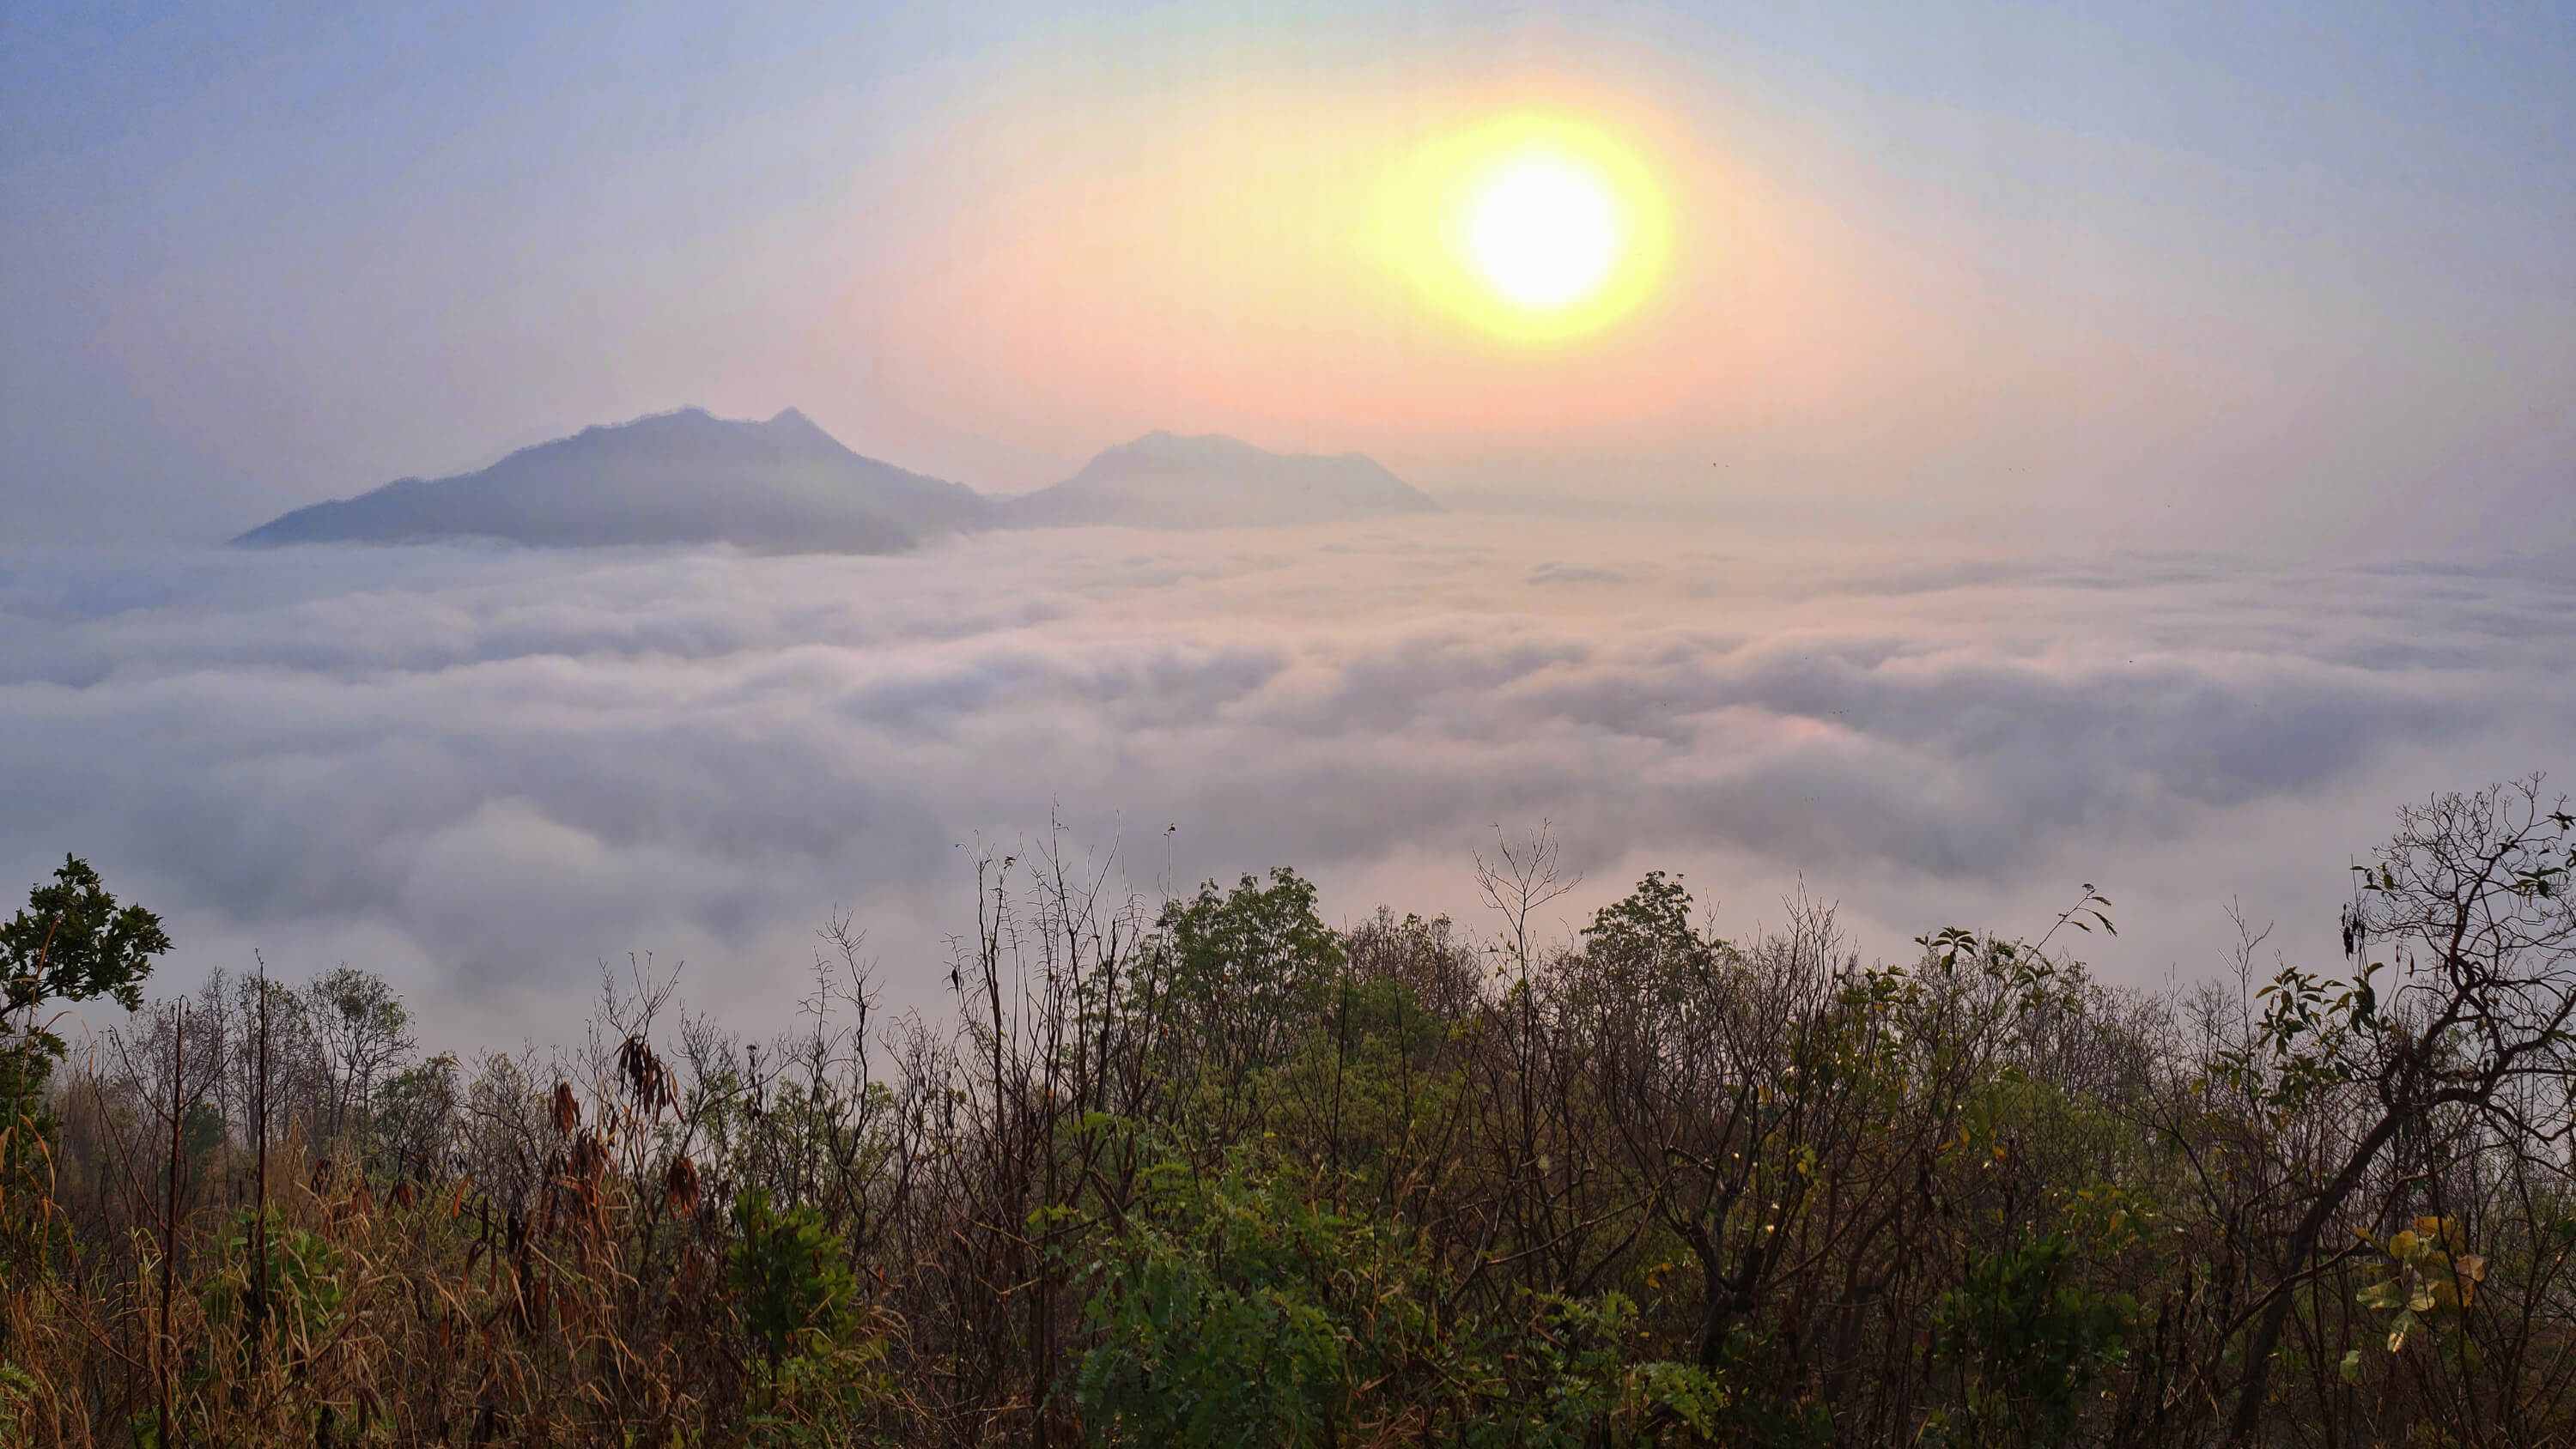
{"x":787,"y":486}
{"x":682,"y":477}
{"x":1163,"y":481}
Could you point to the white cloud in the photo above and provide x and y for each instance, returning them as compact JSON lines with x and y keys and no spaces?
{"x":482,"y":772}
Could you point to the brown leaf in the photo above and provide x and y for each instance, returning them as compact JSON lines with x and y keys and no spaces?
{"x":680,"y":1187}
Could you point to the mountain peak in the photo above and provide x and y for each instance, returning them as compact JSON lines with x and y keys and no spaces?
{"x":1163,"y":446}
{"x":1209,"y":480}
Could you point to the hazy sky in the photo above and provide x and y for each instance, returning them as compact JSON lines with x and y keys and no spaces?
{"x":2025,"y":447}
{"x":2297,"y":274}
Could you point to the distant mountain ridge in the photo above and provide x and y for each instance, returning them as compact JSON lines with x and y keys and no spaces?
{"x":679,"y":477}
{"x":1213,"y":481}
{"x":785,"y":485}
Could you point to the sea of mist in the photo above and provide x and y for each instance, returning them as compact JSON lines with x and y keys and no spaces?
{"x":486,"y":773}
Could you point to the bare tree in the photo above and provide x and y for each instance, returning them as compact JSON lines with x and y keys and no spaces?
{"x":2462,"y":933}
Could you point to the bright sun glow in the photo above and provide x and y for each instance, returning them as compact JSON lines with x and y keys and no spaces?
{"x":1544,"y":232}
{"x":1537,"y":227}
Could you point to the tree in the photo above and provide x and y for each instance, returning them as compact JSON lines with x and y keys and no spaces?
{"x":1255,"y":947}
{"x":1251,"y":965}
{"x":2463,"y":938}
{"x":72,"y":943}
{"x":363,"y":1033}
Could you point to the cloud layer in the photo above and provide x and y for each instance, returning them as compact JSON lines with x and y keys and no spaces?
{"x":484,"y":772}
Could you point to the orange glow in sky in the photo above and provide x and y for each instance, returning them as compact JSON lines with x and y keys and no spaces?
{"x":1339,"y":272}
{"x":1433,"y":275}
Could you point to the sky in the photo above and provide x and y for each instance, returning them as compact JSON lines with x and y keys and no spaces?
{"x":2291,"y":274}
{"x":2007,"y":449}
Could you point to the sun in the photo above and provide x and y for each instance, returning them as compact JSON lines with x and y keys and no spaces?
{"x":1538,"y":227}
{"x":1544,"y":231}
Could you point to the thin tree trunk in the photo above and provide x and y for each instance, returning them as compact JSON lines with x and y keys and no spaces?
{"x":170,"y":1215}
{"x":2303,"y":1243}
{"x":259,"y":1216}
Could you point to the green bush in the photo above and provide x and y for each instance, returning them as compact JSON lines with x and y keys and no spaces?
{"x":791,"y":1276}
{"x":2029,"y":1339}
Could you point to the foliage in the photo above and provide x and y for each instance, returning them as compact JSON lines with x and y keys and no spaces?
{"x":1212,"y":1172}
{"x":790,"y":1272}
{"x":72,"y":942}
{"x":17,"y":1396}
{"x":1218,"y":1323}
{"x":2029,"y":1338}
{"x":2430,"y":1285}
{"x":1254,"y":958}
{"x":305,"y":1281}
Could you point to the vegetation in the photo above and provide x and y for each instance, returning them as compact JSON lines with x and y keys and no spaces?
{"x":1218,"y":1174}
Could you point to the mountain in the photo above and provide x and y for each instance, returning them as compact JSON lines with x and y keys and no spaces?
{"x":1162,"y":481}
{"x":684,"y":477}
{"x":787,"y":486}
